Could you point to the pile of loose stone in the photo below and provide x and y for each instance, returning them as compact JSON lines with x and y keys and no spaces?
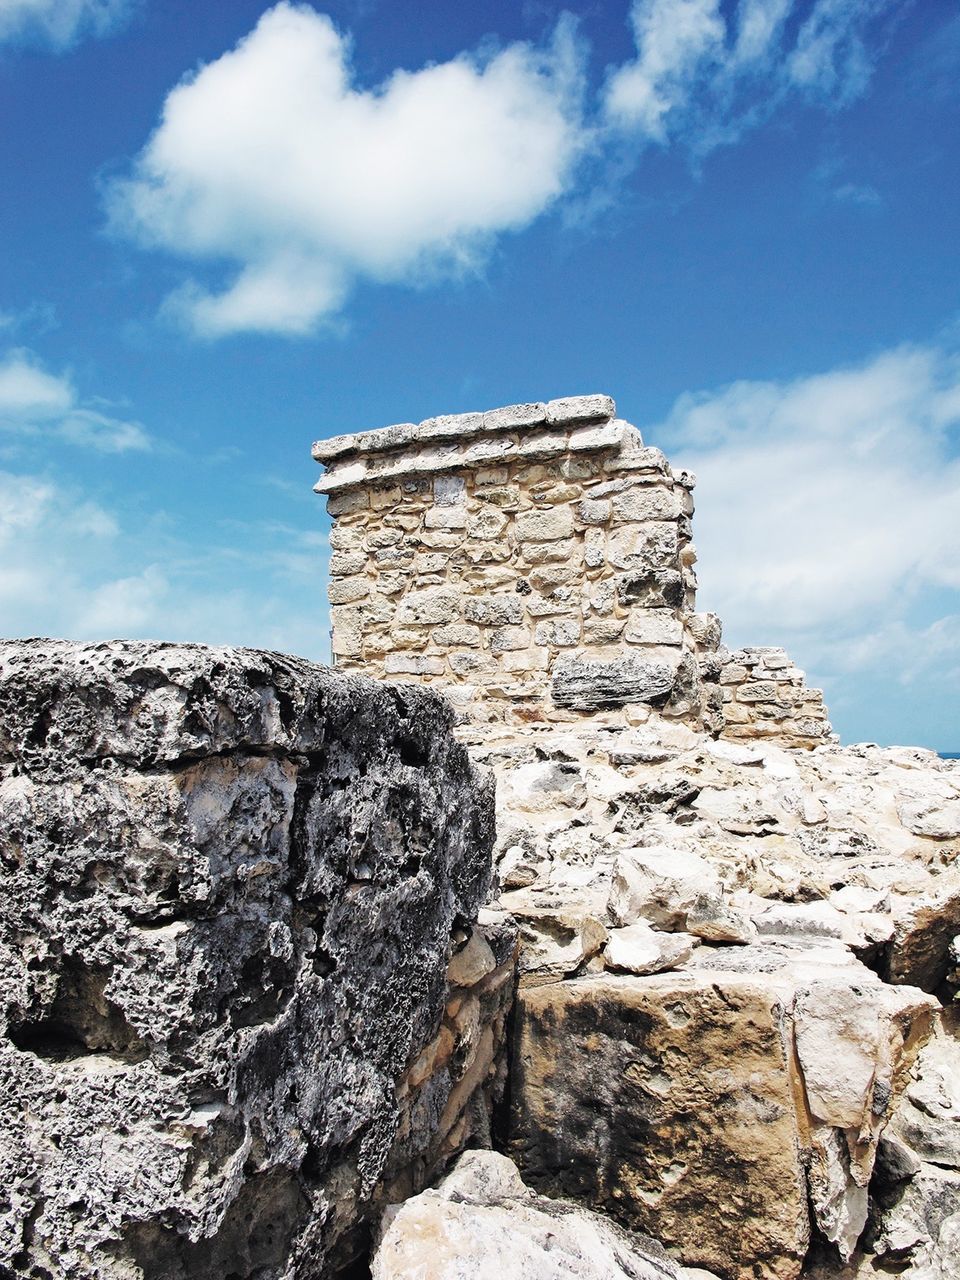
{"x":731,"y":958}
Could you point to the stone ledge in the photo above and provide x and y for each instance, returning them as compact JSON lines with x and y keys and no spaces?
{"x":353,"y":471}
{"x":572,"y":411}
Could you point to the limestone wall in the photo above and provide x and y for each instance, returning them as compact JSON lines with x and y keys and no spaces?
{"x":535,"y":561}
{"x":241,"y":1000}
{"x":764,"y":696}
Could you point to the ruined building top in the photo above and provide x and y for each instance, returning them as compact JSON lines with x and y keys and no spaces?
{"x":536,"y":563}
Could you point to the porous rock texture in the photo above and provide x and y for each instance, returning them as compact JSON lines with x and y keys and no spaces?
{"x":482,"y":1222}
{"x":232,"y":884}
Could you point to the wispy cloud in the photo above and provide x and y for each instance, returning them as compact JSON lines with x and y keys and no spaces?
{"x":703,"y":78}
{"x":147,"y":577}
{"x":59,"y":24}
{"x":271,"y":158}
{"x":828,"y":510}
{"x":37,"y":403}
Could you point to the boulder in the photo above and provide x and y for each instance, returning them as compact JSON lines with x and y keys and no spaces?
{"x":481,"y":1221}
{"x":233,"y":884}
{"x":659,"y":884}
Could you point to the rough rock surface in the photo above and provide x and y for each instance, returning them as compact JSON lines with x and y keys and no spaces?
{"x":483,"y":1222}
{"x":232,"y":883}
{"x":748,"y":1131}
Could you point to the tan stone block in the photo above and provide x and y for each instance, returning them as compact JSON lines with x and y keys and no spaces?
{"x":567,"y":550}
{"x":389,"y":497}
{"x":546,"y":525}
{"x":388,"y":584}
{"x":445,"y":518}
{"x":593,"y":510}
{"x":733,"y":713}
{"x":346,"y":537}
{"x":345,"y":504}
{"x":457,"y":633}
{"x":430,"y":562}
{"x":652,"y":545}
{"x":487,"y":523}
{"x":579,"y":468}
{"x":440,"y":539}
{"x":408,"y":521}
{"x":531,"y":475}
{"x":654,"y":626}
{"x":494,"y":610}
{"x":393,"y":558}
{"x":547,"y":577}
{"x":559,"y":632}
{"x":646,"y":502}
{"x":491,"y":475}
{"x":626,"y":1094}
{"x":602,"y":630}
{"x":418,"y":664}
{"x":432,"y":606}
{"x":488,"y":577}
{"x":382,"y":537}
{"x":733,"y":673}
{"x":557,"y":493}
{"x":561,"y":601}
{"x":406,"y":638}
{"x":526,"y":660}
{"x":347,"y":640}
{"x":470,"y":663}
{"x":348,"y":590}
{"x":347,"y":562}
{"x":595,"y":548}
{"x":510,"y":638}
{"x":504,"y":496}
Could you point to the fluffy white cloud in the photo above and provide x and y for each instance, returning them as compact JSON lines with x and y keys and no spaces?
{"x":37,"y":403}
{"x":59,"y":23}
{"x":272,"y":159}
{"x":702,"y":78}
{"x":828,"y":509}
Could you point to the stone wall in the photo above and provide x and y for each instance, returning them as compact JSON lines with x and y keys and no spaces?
{"x":536,"y":562}
{"x":764,"y":696}
{"x":242,"y":999}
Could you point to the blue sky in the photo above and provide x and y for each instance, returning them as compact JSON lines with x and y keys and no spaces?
{"x":229,"y":229}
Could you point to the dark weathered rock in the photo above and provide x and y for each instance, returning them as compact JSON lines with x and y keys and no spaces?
{"x":583,"y":683}
{"x":231,"y":886}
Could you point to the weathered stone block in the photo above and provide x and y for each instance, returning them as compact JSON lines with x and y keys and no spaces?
{"x":559,"y":632}
{"x":349,"y":590}
{"x":545,"y":525}
{"x":431,"y":606}
{"x":620,"y":1101}
{"x":231,"y":886}
{"x":581,"y":409}
{"x":347,"y":562}
{"x":508,"y":638}
{"x":593,"y":511}
{"x":654,"y":626}
{"x":585,"y":683}
{"x":645,"y":546}
{"x":420,"y":664}
{"x":495,"y":611}
{"x":647,"y":502}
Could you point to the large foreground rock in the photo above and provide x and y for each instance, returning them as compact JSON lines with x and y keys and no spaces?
{"x":716,"y":1106}
{"x":232,"y":884}
{"x":482,"y":1222}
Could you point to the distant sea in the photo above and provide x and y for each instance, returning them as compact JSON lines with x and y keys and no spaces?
{"x":949,"y":755}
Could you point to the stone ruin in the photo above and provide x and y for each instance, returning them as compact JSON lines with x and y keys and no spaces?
{"x":537,"y":563}
{"x":273,"y":956}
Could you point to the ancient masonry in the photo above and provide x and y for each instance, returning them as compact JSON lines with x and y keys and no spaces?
{"x":536,"y":562}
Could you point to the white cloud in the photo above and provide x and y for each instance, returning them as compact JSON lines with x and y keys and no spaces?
{"x":60,"y":23}
{"x":37,"y":403}
{"x":142,"y":576}
{"x":271,"y":159}
{"x":828,"y":508}
{"x":703,"y":79}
